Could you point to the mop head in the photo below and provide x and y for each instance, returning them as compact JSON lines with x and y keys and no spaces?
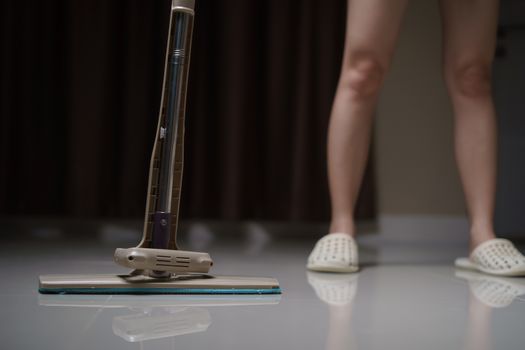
{"x":139,"y":284}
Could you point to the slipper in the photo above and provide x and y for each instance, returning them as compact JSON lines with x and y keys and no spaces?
{"x":335,"y":252}
{"x":333,"y":288}
{"x":496,"y":292}
{"x":495,"y":257}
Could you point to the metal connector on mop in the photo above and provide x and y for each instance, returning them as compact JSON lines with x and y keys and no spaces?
{"x":163,"y":260}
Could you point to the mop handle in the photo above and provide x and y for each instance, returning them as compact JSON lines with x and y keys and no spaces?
{"x":165,"y":187}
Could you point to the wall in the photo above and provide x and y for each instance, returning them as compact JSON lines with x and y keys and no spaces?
{"x":415,"y":167}
{"x":509,"y":93}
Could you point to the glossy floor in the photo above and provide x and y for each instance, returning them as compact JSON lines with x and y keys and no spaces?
{"x":407,"y":296}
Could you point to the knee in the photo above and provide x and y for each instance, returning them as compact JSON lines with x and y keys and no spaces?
{"x":362,"y":77}
{"x":470,"y":80}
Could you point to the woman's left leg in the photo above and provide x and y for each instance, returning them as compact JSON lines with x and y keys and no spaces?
{"x":469,"y":32}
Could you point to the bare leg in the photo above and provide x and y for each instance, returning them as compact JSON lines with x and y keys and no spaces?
{"x":372,"y":31}
{"x":469,"y":31}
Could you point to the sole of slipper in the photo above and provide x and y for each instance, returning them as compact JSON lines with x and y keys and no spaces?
{"x":465,"y":263}
{"x":331,"y":268}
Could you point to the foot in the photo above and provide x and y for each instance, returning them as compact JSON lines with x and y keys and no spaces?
{"x":496,"y":257}
{"x":335,"y":252}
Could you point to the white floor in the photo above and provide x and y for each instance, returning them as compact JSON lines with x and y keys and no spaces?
{"x":407,"y":296}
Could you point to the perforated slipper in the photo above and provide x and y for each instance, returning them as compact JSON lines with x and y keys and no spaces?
{"x":335,"y":252}
{"x":496,"y":292}
{"x":495,"y":257}
{"x":334,"y":288}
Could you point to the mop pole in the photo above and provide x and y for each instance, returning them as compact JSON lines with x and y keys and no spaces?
{"x":165,"y":178}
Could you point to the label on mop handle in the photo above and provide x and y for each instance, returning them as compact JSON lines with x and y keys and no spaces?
{"x":161,"y":230}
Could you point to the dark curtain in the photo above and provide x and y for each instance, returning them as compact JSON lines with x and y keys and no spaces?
{"x":80,"y":90}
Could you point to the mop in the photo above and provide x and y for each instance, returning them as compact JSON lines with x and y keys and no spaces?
{"x":159,"y":267}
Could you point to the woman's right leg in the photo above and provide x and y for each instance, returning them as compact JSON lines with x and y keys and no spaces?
{"x":371,"y":35}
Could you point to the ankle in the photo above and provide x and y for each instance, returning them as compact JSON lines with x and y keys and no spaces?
{"x":479,"y":236}
{"x":342,"y":226}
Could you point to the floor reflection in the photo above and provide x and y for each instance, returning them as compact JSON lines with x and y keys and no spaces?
{"x":161,"y":323}
{"x":487,"y":294}
{"x":337,"y":291}
{"x":157,"y":317}
{"x":492,"y":291}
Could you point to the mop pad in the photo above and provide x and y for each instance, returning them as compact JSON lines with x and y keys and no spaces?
{"x":140,"y":284}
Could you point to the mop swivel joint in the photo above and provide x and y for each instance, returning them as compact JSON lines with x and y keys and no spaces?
{"x":163,"y":260}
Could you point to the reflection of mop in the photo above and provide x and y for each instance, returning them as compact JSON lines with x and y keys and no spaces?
{"x":151,"y":301}
{"x":161,"y":323}
{"x":496,"y":292}
{"x":159,"y":267}
{"x":158,"y":316}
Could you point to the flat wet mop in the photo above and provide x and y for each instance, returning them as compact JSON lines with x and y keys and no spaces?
{"x":159,"y":266}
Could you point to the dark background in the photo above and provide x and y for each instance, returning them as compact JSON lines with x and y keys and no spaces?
{"x":80,"y":92}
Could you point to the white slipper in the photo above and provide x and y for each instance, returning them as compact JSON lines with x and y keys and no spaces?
{"x":496,"y":292}
{"x":333,"y":288}
{"x":495,"y":257}
{"x":335,"y":252}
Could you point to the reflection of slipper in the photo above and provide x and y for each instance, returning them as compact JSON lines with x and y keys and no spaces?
{"x":495,"y":257}
{"x":492,"y":291}
{"x":335,"y":252}
{"x":333,"y":288}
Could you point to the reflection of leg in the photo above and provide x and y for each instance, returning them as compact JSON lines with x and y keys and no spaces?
{"x":469,"y":44}
{"x":372,"y":29}
{"x":478,"y":335}
{"x":340,"y":328}
{"x":338,"y":291}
